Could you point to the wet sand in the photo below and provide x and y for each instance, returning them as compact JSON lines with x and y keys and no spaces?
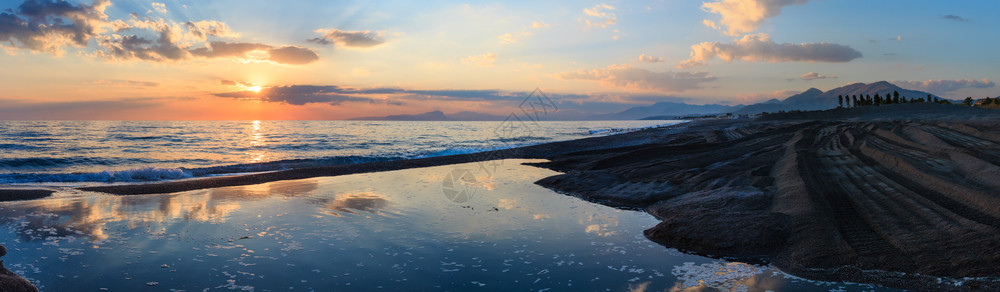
{"x":897,"y":195}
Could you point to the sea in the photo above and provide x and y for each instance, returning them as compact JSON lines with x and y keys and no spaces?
{"x":442,"y":228}
{"x":75,"y":153}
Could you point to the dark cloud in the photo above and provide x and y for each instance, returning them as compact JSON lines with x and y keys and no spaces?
{"x":163,"y":48}
{"x":46,"y":25}
{"x":955,"y":18}
{"x":297,"y":95}
{"x":228,"y":50}
{"x":291,"y":55}
{"x":49,"y":25}
{"x":227,"y":82}
{"x":349,"y":39}
{"x":814,"y":76}
{"x":332,"y":94}
{"x":760,"y":48}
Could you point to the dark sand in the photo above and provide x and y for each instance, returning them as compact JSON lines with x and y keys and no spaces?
{"x":848,"y":195}
{"x":896,"y":195}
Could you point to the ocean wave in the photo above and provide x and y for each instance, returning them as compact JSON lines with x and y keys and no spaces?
{"x":130,"y":175}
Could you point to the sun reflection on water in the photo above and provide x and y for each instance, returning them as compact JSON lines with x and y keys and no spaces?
{"x":256,"y":143}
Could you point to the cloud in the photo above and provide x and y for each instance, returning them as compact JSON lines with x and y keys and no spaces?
{"x":126,"y":83}
{"x":45,"y":26}
{"x":944,"y":86}
{"x":291,"y":55}
{"x":743,"y":16}
{"x":539,"y":24}
{"x":296,"y":95}
{"x":159,"y":7}
{"x":649,"y":59}
{"x":600,"y":16}
{"x":814,"y":75}
{"x":626,"y":76}
{"x":49,"y":26}
{"x":485,"y":60}
{"x":348,"y":39}
{"x":507,"y":38}
{"x":759,"y":47}
{"x":332,"y":94}
{"x":75,"y":110}
{"x":956,"y":18}
{"x":205,"y":28}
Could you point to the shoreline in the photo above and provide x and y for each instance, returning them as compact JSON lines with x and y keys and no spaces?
{"x":897,"y":197}
{"x":526,"y":152}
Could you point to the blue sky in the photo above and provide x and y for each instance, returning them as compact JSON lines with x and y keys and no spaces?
{"x":592,"y":57}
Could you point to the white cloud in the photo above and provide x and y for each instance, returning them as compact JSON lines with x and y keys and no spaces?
{"x":814,"y":75}
{"x":600,"y":15}
{"x":743,"y":16}
{"x":649,"y":59}
{"x":627,"y":76}
{"x":159,"y":7}
{"x":944,"y":86}
{"x":509,"y":38}
{"x":760,"y":48}
{"x":485,"y":60}
{"x":539,"y":24}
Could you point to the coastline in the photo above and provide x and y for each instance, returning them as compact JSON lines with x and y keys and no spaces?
{"x":903,"y":196}
{"x":527,"y":152}
{"x":837,"y":195}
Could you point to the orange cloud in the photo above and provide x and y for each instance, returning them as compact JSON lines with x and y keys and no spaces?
{"x":743,"y":16}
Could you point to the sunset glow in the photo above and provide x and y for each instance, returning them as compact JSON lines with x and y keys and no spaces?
{"x":178,"y":60}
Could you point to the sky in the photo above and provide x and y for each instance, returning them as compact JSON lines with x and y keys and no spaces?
{"x":333,"y":60}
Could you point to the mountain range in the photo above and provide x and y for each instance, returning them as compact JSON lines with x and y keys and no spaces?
{"x":811,"y":99}
{"x":815,"y":99}
{"x":665,"y":109}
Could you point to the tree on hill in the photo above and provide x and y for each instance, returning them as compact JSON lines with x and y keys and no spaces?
{"x":895,"y":96}
{"x":968,"y":101}
{"x":840,"y":100}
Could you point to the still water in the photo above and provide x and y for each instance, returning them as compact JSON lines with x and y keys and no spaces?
{"x":437,"y":228}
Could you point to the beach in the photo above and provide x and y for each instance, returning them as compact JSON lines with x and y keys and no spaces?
{"x":447,"y":227}
{"x":902,"y":196}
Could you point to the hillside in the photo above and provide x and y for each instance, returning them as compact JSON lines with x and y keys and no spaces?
{"x":815,"y":99}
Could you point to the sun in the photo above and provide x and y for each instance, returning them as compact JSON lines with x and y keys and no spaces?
{"x":255,"y":88}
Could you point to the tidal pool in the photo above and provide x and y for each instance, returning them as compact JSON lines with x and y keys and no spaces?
{"x":477,"y":226}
